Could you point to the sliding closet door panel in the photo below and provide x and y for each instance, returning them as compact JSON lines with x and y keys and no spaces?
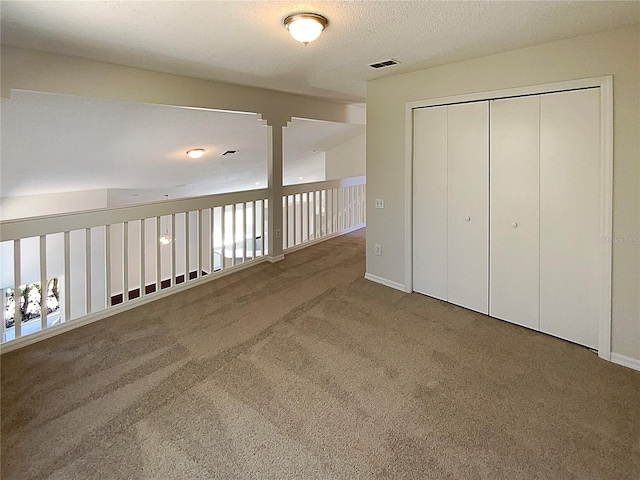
{"x":430,"y":201}
{"x":570,"y":215}
{"x":468,"y":199}
{"x":514,"y":198}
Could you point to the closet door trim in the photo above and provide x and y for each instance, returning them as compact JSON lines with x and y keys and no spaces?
{"x":605,"y":84}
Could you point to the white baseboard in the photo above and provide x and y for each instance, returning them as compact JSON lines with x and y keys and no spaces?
{"x":123,"y":307}
{"x":322,"y":239}
{"x":626,"y":361}
{"x":385,"y":282}
{"x":275,"y":259}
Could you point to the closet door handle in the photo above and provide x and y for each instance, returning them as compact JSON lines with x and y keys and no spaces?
{"x":467,"y":219}
{"x":514,"y":224}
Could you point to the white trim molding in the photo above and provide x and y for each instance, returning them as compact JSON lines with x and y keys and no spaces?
{"x":605,"y":84}
{"x":385,"y":282}
{"x":625,"y":361}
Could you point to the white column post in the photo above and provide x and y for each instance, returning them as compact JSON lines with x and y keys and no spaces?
{"x":274,"y":165}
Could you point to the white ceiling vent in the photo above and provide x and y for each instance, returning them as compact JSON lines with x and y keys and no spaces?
{"x":229,"y":152}
{"x":386,"y":63}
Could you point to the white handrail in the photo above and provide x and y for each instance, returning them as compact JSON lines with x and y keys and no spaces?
{"x":323,"y":185}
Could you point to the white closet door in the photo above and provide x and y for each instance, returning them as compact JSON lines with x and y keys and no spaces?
{"x":570,"y":215}
{"x":430,"y":201}
{"x":514,"y":219}
{"x":468,"y":199}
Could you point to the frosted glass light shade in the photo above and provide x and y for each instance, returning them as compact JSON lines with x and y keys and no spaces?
{"x":195,"y":152}
{"x":305,"y":27}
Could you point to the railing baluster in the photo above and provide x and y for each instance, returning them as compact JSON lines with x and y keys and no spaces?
{"x":17,"y":295}
{"x":199,"y":231}
{"x":3,"y":306}
{"x":244,"y":232}
{"x":351,"y":206}
{"x":67,"y":272}
{"x":294,"y":216}
{"x":312,"y":216}
{"x":87,"y":271}
{"x":265,"y":216}
{"x":143,"y":259}
{"x":325,"y":211}
{"x":285,"y":222}
{"x":340,"y":208}
{"x":309,"y":214}
{"x":107,"y":268}
{"x":174,"y":251}
{"x":224,"y":238}
{"x":253,"y":229}
{"x":187,"y":241}
{"x":125,"y":262}
{"x":362,"y":204}
{"x":330,"y":211}
{"x":354,"y":203}
{"x":233,"y":230}
{"x":317,"y":210}
{"x":44,"y":290}
{"x":262,"y":227}
{"x":158,"y":255}
{"x":357,"y":220}
{"x":212,"y":259}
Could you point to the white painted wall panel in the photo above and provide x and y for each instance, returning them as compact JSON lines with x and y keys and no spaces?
{"x":430,"y":202}
{"x":570,"y":215}
{"x":468,"y":199}
{"x":514,"y":215}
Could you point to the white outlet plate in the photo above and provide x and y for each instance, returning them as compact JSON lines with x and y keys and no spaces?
{"x":377,"y":249}
{"x":277,"y":233}
{"x":379,"y":203}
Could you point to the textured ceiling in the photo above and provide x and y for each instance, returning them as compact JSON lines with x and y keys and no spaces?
{"x":244,"y":42}
{"x":91,"y":142}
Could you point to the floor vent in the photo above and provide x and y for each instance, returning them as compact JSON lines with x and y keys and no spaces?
{"x":386,"y":63}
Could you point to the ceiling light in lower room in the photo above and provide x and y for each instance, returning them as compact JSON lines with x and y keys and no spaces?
{"x":195,"y":152}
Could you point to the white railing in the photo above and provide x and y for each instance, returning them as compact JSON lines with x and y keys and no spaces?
{"x":313,"y":211}
{"x":105,"y":258}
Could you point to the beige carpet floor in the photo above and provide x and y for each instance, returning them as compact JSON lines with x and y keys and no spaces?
{"x":303,"y":369}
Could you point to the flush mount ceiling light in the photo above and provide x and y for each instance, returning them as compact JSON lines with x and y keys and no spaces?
{"x":195,"y":152}
{"x":305,"y":27}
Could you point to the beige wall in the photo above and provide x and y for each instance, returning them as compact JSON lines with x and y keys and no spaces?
{"x":51,"y":203}
{"x":615,"y":52}
{"x":46,"y":72}
{"x":347,"y":159}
